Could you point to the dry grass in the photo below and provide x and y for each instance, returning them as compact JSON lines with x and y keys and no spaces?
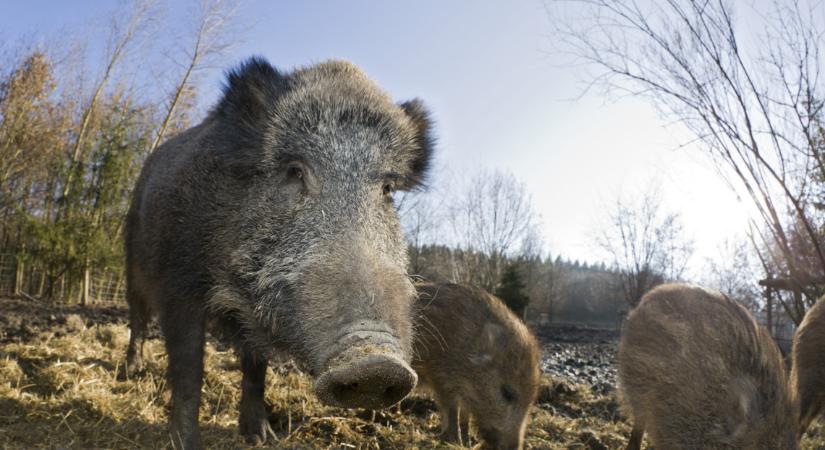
{"x":64,"y":391}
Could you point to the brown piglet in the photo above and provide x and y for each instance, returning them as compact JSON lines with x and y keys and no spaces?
{"x":697,"y":372}
{"x":478,"y":359}
{"x":808,"y":372}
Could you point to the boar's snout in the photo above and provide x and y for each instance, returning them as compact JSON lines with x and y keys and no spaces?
{"x":366,"y":369}
{"x":373,"y":382}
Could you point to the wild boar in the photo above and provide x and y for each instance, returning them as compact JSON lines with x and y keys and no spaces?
{"x":808,"y":366}
{"x":273,"y":221}
{"x":697,"y":372}
{"x":478,"y":359}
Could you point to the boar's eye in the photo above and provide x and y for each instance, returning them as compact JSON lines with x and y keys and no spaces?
{"x":295,"y":170}
{"x":508,"y":393}
{"x":388,"y":188}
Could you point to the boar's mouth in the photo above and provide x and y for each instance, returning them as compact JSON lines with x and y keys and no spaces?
{"x":365,"y":368}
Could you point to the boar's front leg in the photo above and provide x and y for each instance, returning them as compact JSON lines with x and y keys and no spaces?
{"x":138,"y":323}
{"x":183,"y":328}
{"x":253,"y":421}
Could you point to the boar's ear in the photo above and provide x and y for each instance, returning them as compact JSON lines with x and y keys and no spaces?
{"x":249,"y":95}
{"x":424,"y":141}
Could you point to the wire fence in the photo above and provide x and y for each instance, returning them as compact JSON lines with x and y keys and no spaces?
{"x":108,"y":287}
{"x":8,"y":272}
{"x":19,"y":278}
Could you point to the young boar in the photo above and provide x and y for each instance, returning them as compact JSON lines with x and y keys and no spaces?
{"x":478,"y":359}
{"x":274,"y":220}
{"x":697,"y":372}
{"x":808,"y":369}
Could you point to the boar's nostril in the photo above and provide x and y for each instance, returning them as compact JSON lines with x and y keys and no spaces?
{"x":373,"y":382}
{"x":344,"y":390}
{"x":394,"y":393}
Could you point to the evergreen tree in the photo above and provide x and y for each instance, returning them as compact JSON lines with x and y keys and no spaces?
{"x":511,"y":290}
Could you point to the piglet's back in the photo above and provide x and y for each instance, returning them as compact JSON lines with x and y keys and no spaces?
{"x":808,"y":374}
{"x":696,"y":371}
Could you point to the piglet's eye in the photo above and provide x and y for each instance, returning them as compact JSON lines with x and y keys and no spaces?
{"x":388,"y":188}
{"x":508,"y":393}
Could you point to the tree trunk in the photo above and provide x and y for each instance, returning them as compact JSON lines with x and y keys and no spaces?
{"x":18,"y":276}
{"x":41,"y":284}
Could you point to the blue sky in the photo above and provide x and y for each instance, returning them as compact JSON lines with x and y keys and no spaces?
{"x":497,"y":90}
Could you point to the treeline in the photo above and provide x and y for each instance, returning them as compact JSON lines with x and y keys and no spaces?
{"x":73,"y":136}
{"x":66,"y":174}
{"x":549,"y":289}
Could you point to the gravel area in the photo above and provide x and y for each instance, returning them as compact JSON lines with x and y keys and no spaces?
{"x":580,"y":355}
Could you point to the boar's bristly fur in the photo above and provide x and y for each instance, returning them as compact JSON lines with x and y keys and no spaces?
{"x":273,"y":222}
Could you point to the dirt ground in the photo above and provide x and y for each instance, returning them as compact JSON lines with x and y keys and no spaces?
{"x":61,"y":387}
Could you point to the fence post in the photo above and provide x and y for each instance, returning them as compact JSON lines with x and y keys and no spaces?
{"x":84,"y":296}
{"x":18,"y":276}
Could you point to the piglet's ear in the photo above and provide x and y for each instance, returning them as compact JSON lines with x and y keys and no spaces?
{"x":492,"y":335}
{"x":480,"y":358}
{"x":424,"y":142}
{"x":743,"y":399}
{"x":488,"y":341}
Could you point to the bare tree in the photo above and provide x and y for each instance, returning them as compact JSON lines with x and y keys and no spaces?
{"x":646,"y":245}
{"x":123,"y":33}
{"x":735,"y":272}
{"x":752,"y":101}
{"x":795,"y":295}
{"x":495,"y":217}
{"x":421,"y":215}
{"x":210,"y":36}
